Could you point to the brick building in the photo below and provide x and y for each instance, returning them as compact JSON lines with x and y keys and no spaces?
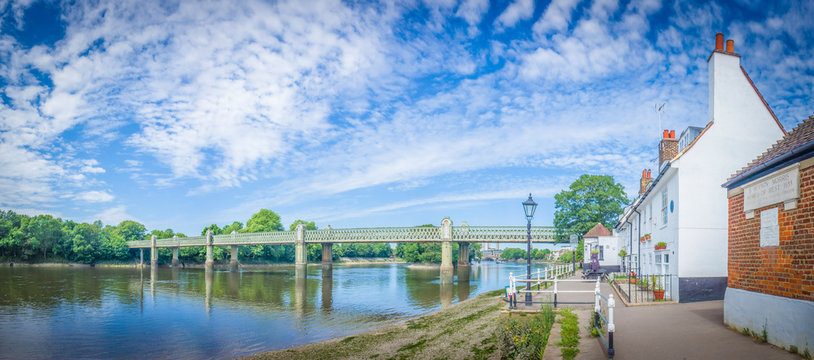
{"x":770,"y":282}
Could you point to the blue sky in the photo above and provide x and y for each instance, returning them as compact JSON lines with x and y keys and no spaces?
{"x":181,"y":114}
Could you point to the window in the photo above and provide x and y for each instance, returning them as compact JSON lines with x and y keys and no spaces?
{"x":601,"y":252}
{"x":664,"y":207}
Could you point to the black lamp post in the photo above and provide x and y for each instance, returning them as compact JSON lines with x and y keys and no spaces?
{"x":529,"y":206}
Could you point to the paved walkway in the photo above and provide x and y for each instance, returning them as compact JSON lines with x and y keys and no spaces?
{"x":685,"y":331}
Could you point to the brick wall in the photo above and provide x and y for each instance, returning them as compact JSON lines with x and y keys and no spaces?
{"x":784,"y":270}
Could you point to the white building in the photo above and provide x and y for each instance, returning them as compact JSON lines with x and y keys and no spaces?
{"x":606,"y":244}
{"x":685,"y":206}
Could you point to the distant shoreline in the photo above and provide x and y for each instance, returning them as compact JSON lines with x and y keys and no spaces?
{"x":341,"y":261}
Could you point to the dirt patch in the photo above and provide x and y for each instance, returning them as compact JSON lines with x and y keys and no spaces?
{"x":463,"y":331}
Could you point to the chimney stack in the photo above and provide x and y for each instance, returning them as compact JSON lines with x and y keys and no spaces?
{"x":668,"y":147}
{"x":645,"y":180}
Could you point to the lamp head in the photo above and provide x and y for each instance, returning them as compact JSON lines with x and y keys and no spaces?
{"x":529,"y":206}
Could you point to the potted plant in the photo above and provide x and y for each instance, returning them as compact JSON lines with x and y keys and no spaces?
{"x":642,"y":239}
{"x":647,"y":237}
{"x":661,"y":245}
{"x":622,"y":253}
{"x":658,"y":288}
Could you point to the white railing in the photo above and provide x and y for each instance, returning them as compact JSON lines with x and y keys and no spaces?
{"x":600,"y":318}
{"x":553,"y":275}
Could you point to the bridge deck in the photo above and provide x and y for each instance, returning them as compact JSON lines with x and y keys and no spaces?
{"x":492,"y":234}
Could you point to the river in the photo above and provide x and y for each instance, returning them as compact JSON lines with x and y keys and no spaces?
{"x":83,"y":312}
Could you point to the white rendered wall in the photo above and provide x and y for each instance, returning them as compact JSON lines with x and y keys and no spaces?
{"x":742,"y":129}
{"x":787,"y":321}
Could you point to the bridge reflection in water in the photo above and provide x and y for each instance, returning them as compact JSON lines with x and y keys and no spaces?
{"x":275,"y":287}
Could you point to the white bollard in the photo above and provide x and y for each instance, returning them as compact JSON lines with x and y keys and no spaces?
{"x":596,"y":297}
{"x":611,"y":305}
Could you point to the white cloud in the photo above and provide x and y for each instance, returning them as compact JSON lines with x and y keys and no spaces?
{"x":557,"y":16}
{"x":94,"y":196}
{"x":516,"y":11}
{"x":90,"y":166}
{"x":472,"y":11}
{"x":113,"y":216}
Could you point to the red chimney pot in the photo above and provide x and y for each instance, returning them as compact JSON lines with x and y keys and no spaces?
{"x":672,"y":134}
{"x":719,"y":41}
{"x":666,"y":134}
{"x":730,"y":46}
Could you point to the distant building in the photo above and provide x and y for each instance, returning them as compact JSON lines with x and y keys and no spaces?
{"x":684,"y":206}
{"x":607,"y":245}
{"x":771,"y":242}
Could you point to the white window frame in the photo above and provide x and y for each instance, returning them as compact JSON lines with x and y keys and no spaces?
{"x":664,"y":205}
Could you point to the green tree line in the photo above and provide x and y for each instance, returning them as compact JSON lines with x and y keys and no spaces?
{"x":45,"y":238}
{"x":515,"y":253}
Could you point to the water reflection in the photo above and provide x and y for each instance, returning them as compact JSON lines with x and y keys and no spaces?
{"x":193,"y":313}
{"x":327,"y":290}
{"x":209,"y":279}
{"x":464,"y":272}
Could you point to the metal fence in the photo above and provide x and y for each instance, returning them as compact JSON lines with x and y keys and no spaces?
{"x":643,"y":288}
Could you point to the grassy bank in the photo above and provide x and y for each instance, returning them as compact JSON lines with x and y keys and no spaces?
{"x":463,"y":331}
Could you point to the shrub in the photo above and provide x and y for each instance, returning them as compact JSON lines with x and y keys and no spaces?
{"x":525,"y":339}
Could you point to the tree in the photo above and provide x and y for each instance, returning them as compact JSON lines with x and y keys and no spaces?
{"x":44,"y":231}
{"x":263,"y":221}
{"x":130,"y":230}
{"x":589,"y":200}
{"x":216,"y":230}
{"x":236,"y":226}
{"x":309,"y":225}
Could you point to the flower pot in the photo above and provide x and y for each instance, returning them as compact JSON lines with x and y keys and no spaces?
{"x":660,"y":247}
{"x":658,"y":294}
{"x":633,"y":280}
{"x":647,"y":237}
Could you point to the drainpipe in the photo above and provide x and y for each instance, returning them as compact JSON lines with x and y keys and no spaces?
{"x":630,"y":258}
{"x":639,"y":252}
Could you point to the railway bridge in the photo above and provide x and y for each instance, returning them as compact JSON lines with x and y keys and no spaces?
{"x":445,"y":234}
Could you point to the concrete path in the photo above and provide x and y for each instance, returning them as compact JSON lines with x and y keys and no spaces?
{"x":684,"y":331}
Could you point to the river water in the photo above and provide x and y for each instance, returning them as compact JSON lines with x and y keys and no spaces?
{"x":81,"y":312}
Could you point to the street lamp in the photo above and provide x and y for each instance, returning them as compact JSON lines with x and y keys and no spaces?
{"x":574,"y":240}
{"x":529,"y":206}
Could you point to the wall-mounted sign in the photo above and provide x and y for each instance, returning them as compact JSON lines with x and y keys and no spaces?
{"x":774,"y":189}
{"x":769,"y":228}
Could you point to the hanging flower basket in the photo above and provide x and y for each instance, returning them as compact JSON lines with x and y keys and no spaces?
{"x":642,"y":239}
{"x":660,"y":246}
{"x":647,"y":237}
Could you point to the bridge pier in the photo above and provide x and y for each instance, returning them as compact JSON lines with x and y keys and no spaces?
{"x":327,"y":256}
{"x":153,"y":253}
{"x":175,"y":251}
{"x":210,"y":256}
{"x":463,"y":254}
{"x":233,"y":259}
{"x":447,"y":269}
{"x":141,"y":258}
{"x":300,"y":254}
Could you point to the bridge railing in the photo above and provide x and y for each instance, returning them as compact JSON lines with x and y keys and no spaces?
{"x":383,"y":234}
{"x":275,"y":237}
{"x":501,"y":233}
{"x":364,"y":235}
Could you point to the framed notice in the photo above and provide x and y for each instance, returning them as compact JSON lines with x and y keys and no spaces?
{"x":769,"y":228}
